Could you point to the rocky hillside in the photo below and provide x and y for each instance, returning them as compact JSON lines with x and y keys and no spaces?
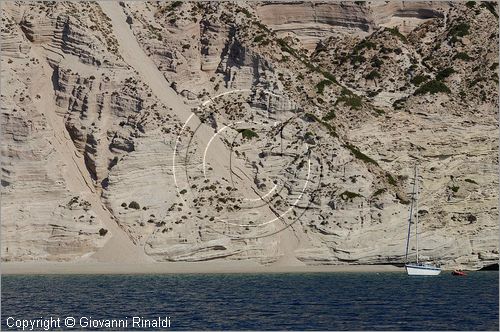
{"x":273,"y":132}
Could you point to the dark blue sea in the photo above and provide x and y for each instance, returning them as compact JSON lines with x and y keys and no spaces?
{"x":311,"y":301}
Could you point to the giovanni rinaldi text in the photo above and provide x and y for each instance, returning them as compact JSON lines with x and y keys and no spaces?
{"x":49,"y":323}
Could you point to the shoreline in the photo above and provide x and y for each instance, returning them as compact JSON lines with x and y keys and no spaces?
{"x":73,"y":268}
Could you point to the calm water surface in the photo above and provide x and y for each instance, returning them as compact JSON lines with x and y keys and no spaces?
{"x":313,"y":301}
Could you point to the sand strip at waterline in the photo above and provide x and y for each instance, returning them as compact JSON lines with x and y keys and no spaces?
{"x":31,"y":268}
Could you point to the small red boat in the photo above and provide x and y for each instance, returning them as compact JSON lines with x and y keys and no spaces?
{"x":459,"y":273}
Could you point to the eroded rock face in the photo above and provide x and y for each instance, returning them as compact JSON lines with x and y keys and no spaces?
{"x":312,"y":22}
{"x":45,"y":217}
{"x":110,"y":110}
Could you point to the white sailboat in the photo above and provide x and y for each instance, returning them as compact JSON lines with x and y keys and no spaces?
{"x":418,"y":268}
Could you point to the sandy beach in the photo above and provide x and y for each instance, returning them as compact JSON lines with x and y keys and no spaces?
{"x":30,"y":268}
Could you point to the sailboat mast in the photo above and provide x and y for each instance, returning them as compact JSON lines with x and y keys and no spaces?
{"x":411,"y":215}
{"x":416,"y":209}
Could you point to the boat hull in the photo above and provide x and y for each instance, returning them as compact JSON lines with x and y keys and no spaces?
{"x":422,"y":270}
